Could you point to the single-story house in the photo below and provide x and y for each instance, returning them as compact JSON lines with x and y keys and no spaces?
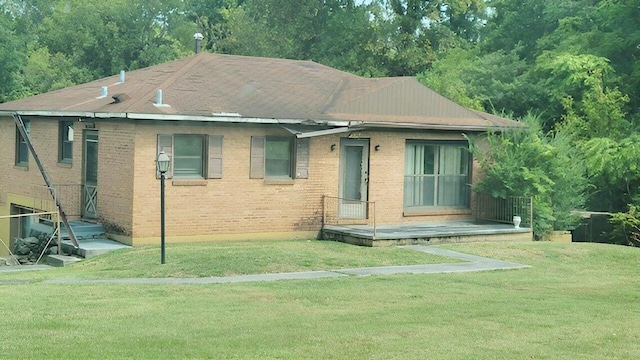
{"x":260,"y":148}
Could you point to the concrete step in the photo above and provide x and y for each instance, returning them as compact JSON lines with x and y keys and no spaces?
{"x":92,"y":247}
{"x":61,"y":260}
{"x":82,"y":229}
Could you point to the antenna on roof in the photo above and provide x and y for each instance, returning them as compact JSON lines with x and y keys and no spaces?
{"x":198,"y":37}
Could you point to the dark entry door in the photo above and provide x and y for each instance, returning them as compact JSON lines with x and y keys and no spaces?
{"x":354,"y":178}
{"x":90,"y":175}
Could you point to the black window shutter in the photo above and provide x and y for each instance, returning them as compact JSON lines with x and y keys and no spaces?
{"x":214,"y":168}
{"x":302,"y":158}
{"x":256,"y":170}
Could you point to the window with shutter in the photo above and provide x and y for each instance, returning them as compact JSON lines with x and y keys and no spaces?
{"x":279,"y":158}
{"x":193,"y":156}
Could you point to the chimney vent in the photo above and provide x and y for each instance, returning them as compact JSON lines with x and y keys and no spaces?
{"x":104,"y":91}
{"x":159,"y":99}
{"x":198,"y":37}
{"x":121,"y":76}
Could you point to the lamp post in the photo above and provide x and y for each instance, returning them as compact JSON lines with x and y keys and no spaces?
{"x":162,"y":164}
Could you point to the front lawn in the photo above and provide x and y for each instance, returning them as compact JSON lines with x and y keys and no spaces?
{"x":577,"y":301}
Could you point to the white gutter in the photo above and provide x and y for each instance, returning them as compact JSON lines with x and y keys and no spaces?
{"x":47,"y":113}
{"x":233,"y":118}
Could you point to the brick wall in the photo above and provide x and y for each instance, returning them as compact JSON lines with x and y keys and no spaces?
{"x":232,"y":207}
{"x":116,"y":149}
{"x":386,"y":177}
{"x":234,"y":204}
{"x":237,"y":204}
{"x":18,"y":184}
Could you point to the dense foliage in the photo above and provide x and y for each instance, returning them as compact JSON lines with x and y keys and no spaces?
{"x":530,"y":162}
{"x":572,"y":62}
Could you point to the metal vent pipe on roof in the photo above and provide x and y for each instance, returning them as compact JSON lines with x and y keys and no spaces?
{"x":159,"y":97}
{"x":104,"y":91}
{"x":198,"y":37}
{"x":121,"y":76}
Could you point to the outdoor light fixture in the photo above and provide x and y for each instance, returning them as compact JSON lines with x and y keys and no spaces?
{"x":333,"y":147}
{"x":162,"y":164}
{"x":377,"y":147}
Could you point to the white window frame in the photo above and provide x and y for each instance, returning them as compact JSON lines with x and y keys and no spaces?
{"x":447,"y":186}
{"x":65,"y":137}
{"x":22,"y":149}
{"x":178,"y":158}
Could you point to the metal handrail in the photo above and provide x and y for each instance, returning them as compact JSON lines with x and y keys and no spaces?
{"x":489,"y":208}
{"x":342,"y":211}
{"x":68,"y":195}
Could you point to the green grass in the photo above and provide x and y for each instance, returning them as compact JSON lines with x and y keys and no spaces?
{"x":577,"y":301}
{"x":235,"y":258}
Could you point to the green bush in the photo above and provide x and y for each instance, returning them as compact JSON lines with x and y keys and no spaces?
{"x":626,"y":227}
{"x":544,"y":166}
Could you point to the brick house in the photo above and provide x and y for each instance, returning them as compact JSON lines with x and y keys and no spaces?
{"x":260,"y":148}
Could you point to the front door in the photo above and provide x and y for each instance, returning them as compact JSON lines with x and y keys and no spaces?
{"x":354,"y":178}
{"x":90,"y":175}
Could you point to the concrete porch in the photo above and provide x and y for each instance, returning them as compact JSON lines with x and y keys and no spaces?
{"x":424,"y":233}
{"x":91,"y":237}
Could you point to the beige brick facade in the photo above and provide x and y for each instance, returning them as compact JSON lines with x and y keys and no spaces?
{"x":233,"y":207}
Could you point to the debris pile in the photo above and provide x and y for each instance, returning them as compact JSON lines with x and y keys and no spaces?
{"x":27,"y":250}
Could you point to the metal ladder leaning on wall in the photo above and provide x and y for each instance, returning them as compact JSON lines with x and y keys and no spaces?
{"x":47,"y":180}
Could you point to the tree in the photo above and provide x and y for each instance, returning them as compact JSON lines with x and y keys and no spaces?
{"x":106,"y":37}
{"x":544,"y":166}
{"x":578,"y":83}
{"x":335,"y":33}
{"x":488,"y":82}
{"x":11,"y":58}
{"x":211,"y":18}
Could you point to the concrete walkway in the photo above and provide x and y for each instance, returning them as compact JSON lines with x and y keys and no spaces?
{"x":471,"y":263}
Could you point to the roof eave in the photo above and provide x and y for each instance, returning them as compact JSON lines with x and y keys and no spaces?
{"x":234,"y":118}
{"x":419,"y":126}
{"x":230,"y":118}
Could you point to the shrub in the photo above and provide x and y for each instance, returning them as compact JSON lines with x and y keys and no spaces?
{"x":544,"y":166}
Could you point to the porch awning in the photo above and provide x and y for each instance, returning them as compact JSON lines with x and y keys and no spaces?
{"x":302,"y":131}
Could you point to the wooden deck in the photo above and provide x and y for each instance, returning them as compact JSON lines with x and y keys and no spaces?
{"x":424,"y":233}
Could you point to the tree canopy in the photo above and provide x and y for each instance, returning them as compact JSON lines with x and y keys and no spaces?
{"x":572,"y":63}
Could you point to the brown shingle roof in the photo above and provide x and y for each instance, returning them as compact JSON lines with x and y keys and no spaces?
{"x":206,"y":84}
